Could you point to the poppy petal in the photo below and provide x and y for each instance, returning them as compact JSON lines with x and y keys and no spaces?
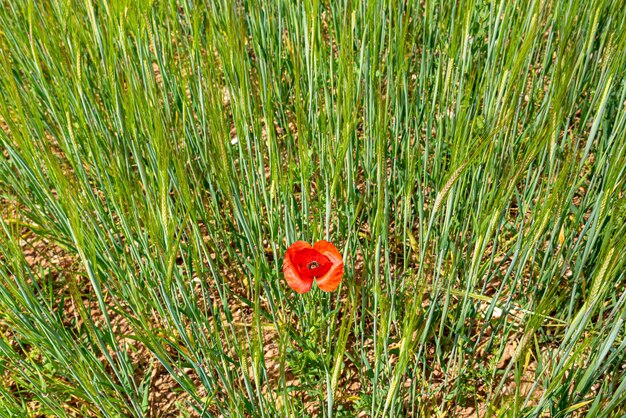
{"x":294,"y":279}
{"x":330,"y":281}
{"x":311,"y":263}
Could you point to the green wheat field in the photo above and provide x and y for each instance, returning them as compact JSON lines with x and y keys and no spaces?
{"x":467,"y":159}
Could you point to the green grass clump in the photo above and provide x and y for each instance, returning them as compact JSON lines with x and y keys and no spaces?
{"x":159,"y":156}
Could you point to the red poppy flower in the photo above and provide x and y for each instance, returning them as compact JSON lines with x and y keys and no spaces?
{"x":321,"y":262}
